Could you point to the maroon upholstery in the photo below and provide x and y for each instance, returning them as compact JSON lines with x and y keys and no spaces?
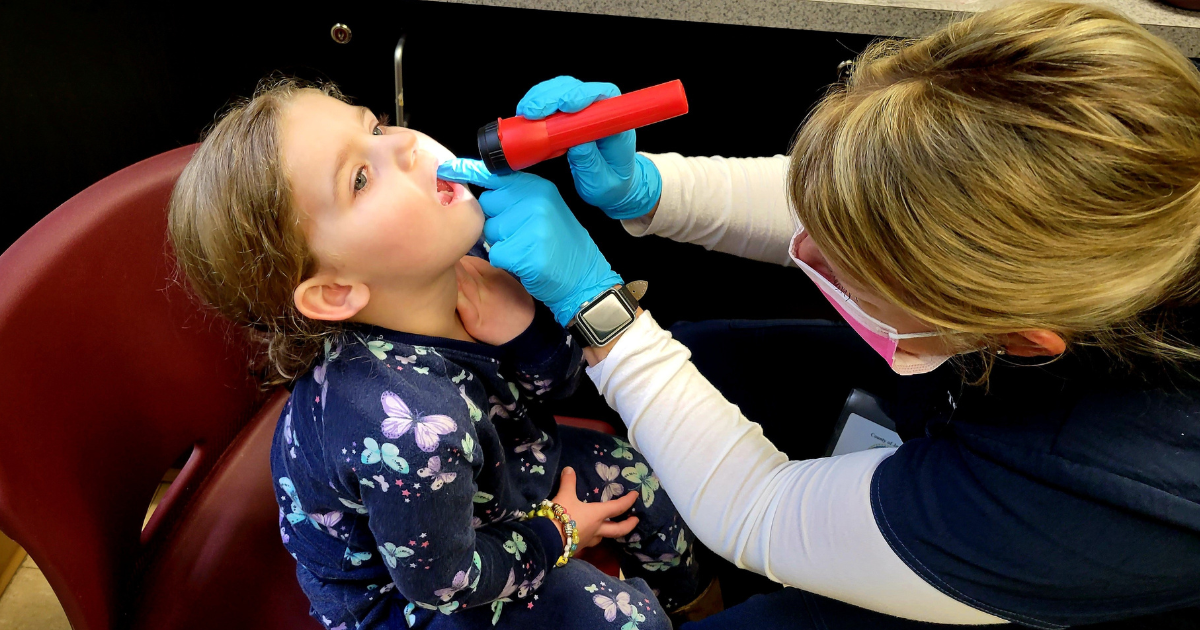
{"x":224,"y":565}
{"x":110,"y":373}
{"x":584,"y":423}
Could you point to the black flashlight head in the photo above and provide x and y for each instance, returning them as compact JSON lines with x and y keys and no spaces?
{"x":490,"y":150}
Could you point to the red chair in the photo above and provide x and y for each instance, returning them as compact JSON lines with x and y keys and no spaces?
{"x":111,"y":373}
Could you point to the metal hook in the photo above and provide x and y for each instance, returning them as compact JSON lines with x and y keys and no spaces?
{"x":401,"y":120}
{"x":844,"y":69}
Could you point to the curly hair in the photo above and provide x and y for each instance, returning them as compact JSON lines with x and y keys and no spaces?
{"x":236,"y":234}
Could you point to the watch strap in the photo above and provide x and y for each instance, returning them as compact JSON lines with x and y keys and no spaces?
{"x":629,"y":296}
{"x":637,"y":289}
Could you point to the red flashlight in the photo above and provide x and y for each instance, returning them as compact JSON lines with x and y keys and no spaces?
{"x":511,"y":144}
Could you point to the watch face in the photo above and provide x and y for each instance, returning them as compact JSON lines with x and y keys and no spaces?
{"x":607,"y":318}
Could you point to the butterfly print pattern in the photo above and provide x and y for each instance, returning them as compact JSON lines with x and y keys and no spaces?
{"x":427,"y":430}
{"x":406,"y":453}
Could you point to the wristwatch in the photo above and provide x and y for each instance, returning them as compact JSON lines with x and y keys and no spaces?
{"x":600,"y":321}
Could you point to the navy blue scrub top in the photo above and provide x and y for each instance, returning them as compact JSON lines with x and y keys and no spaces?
{"x":1056,"y":496}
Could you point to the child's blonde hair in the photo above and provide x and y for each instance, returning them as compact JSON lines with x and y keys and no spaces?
{"x":1036,"y":166}
{"x":237,"y":235}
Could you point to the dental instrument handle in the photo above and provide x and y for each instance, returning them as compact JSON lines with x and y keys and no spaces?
{"x":512,"y":144}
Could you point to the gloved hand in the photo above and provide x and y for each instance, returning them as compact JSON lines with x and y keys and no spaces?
{"x":608,"y":173}
{"x":534,"y":236}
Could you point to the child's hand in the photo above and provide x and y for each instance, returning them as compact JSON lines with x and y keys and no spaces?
{"x":591,"y":519}
{"x":492,"y":304}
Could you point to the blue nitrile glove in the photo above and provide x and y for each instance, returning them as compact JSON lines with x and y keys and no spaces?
{"x":608,"y":173}
{"x":534,"y":236}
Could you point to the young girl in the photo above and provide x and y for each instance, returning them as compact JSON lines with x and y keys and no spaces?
{"x":412,"y":449}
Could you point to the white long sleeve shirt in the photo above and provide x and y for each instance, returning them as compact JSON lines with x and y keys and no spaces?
{"x":807,"y":524}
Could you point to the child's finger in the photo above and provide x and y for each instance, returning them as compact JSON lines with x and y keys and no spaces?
{"x":466,"y":309}
{"x":567,"y":481}
{"x":462,"y":272}
{"x":475,"y":266}
{"x":478,"y":264}
{"x":619,"y":506}
{"x":468,"y":287}
{"x":617,"y":529}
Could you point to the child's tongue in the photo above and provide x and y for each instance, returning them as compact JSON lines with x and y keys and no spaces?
{"x":445,"y":192}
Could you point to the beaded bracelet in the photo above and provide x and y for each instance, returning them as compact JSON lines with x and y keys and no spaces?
{"x":551,"y":510}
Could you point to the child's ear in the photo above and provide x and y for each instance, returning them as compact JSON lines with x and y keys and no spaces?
{"x":321,"y":298}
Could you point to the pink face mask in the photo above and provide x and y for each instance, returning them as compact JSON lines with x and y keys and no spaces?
{"x":881,"y":337}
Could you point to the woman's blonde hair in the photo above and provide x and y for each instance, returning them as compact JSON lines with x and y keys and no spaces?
{"x":1035,"y":166}
{"x":236,"y":234}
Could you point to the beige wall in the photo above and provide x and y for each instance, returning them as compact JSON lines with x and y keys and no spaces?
{"x":11,"y":555}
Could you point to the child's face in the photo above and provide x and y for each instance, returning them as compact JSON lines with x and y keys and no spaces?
{"x":368,"y":196}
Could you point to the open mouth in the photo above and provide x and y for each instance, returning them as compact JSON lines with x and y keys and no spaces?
{"x":445,"y":192}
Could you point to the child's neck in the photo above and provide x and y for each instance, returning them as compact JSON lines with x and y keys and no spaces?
{"x":428,"y":309}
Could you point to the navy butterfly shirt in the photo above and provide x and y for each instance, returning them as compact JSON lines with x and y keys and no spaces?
{"x":402,"y":465}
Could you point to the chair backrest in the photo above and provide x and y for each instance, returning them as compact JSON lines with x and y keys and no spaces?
{"x":110,"y":372}
{"x":223,"y":566}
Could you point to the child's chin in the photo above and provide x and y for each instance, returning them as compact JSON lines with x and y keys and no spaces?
{"x":476,"y":209}
{"x":476,"y":231}
{"x":471,"y":238}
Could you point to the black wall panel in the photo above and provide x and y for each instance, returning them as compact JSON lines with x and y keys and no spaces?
{"x":87,"y":88}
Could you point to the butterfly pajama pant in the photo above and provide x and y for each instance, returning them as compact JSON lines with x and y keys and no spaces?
{"x":657,"y":558}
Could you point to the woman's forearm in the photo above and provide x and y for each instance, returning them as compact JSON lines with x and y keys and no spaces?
{"x":734,"y":205}
{"x":807,"y":524}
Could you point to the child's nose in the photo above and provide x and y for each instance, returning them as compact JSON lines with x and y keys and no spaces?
{"x":404,"y":145}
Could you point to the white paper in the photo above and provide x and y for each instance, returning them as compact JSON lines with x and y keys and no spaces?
{"x":861,"y":434}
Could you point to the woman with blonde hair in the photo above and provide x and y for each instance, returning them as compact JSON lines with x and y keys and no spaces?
{"x":1018,"y":192}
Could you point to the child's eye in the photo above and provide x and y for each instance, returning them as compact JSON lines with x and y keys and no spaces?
{"x":360,"y":180}
{"x":383,"y":121}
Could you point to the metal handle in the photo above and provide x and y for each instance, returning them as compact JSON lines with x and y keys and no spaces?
{"x":845,"y":69}
{"x":401,"y":120}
